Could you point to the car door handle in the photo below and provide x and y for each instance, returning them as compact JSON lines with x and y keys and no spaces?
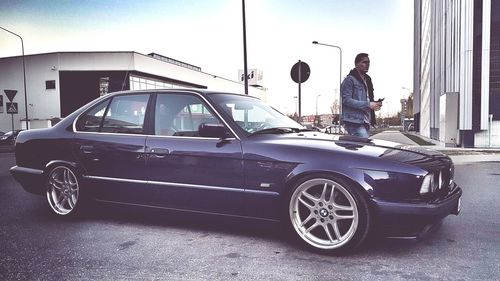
{"x":159,"y":152}
{"x":87,"y":149}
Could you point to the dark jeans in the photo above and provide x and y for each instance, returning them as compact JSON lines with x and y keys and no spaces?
{"x":359,"y":130}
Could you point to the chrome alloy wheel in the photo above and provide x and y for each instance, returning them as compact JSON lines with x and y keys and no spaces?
{"x":62,"y":190}
{"x":323,"y":213}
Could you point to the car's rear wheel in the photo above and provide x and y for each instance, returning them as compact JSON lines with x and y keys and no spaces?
{"x":63,"y":190}
{"x":328,"y":214}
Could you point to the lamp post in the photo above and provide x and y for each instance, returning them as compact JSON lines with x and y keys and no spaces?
{"x":296,"y":103}
{"x":317,"y":96}
{"x":24,"y":76}
{"x":317,"y":116}
{"x":404,"y":106}
{"x":245,"y":69}
{"x":409,"y":91}
{"x":340,"y":68}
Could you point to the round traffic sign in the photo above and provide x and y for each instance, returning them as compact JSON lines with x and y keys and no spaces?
{"x":300,"y":72}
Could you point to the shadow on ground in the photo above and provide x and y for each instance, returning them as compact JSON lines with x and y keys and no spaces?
{"x":106,"y":213}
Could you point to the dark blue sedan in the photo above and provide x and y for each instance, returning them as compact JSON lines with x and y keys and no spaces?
{"x":230,"y":154}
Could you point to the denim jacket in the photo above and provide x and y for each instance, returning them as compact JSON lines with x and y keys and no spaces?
{"x":355,"y":102}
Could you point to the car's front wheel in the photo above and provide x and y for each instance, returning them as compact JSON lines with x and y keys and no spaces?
{"x":63,"y":190}
{"x":328,"y":214}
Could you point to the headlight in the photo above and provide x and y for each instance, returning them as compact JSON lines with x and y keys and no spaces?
{"x":427,"y":184}
{"x":432,"y":182}
{"x":440,"y":181}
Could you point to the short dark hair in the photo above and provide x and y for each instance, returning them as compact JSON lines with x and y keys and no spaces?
{"x":359,"y":57}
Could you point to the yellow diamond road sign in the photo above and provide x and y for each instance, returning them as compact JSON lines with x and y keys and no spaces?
{"x":11,"y":107}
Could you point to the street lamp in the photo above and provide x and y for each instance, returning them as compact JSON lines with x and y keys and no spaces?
{"x":24,"y":76}
{"x":317,"y":96}
{"x":340,"y":67}
{"x":296,"y":104}
{"x":409,"y":91}
{"x":404,"y":106}
{"x":245,"y":68}
{"x":316,"y":118}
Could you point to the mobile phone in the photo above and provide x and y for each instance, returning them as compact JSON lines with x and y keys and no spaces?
{"x":381,"y":100}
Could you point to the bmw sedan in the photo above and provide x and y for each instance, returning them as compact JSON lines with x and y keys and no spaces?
{"x":230,"y":154}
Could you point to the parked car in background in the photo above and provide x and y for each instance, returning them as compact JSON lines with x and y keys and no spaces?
{"x":335,"y":129}
{"x":230,"y":154}
{"x":9,"y":138}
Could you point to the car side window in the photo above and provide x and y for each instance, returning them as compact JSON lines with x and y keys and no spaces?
{"x":91,"y":120}
{"x":181,"y":115}
{"x":125,"y":114}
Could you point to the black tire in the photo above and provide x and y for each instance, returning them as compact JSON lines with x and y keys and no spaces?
{"x":63,"y":191}
{"x":327,"y":214}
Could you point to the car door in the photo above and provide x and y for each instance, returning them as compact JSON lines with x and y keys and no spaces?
{"x":187,"y":171}
{"x":110,"y":145}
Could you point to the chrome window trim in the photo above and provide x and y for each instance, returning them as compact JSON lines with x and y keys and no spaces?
{"x":117,"y":134}
{"x":150,"y":92}
{"x":188,"y":137}
{"x":155,"y":136}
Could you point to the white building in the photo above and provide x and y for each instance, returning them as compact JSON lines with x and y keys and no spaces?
{"x":58,"y":83}
{"x":457,"y":71}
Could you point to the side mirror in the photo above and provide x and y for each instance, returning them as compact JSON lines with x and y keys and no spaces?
{"x":209,"y":130}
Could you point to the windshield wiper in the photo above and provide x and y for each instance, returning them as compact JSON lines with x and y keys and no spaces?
{"x":278,"y":130}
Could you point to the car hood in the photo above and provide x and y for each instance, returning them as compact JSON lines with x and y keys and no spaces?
{"x":382,"y":149}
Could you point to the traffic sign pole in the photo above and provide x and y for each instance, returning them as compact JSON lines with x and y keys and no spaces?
{"x":10,"y":95}
{"x":300,"y":73}
{"x":300,"y":94}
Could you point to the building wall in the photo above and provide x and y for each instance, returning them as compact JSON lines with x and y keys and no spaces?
{"x":11,"y":78}
{"x":80,"y":87}
{"x":425,"y":62}
{"x":210,"y":81}
{"x":43,"y":104}
{"x":81,"y":72}
{"x":453,"y":57}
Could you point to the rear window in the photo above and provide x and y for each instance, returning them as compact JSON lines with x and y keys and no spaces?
{"x":122,"y":114}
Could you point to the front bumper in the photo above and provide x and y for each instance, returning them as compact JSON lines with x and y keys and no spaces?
{"x":400,"y":218}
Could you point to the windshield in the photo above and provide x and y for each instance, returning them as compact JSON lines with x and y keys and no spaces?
{"x":252,"y":115}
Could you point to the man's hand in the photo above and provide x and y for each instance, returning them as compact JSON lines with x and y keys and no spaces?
{"x":375,"y":105}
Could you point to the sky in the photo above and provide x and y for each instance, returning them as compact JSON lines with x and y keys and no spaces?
{"x":208,"y":34}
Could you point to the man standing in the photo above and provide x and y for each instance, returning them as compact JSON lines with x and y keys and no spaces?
{"x":358,"y":106}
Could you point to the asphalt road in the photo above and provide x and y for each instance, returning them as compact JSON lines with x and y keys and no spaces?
{"x":119,"y":243}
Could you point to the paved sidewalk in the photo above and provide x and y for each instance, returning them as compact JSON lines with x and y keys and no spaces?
{"x":395,"y":136}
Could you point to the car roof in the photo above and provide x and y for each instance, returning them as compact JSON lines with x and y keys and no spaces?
{"x":203,"y":92}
